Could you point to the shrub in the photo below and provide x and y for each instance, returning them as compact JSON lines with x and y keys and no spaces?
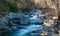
{"x":3,"y":6}
{"x":13,"y":6}
{"x":24,"y":7}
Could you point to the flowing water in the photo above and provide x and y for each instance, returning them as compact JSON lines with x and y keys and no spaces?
{"x":32,"y":27}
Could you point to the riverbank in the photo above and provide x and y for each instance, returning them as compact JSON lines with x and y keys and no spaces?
{"x":28,"y":24}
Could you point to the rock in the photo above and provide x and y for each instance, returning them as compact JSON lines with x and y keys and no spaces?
{"x":44,"y":33}
{"x":14,"y":28}
{"x":48,"y":22}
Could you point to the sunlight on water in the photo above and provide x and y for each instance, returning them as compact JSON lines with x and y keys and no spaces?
{"x":29,"y":29}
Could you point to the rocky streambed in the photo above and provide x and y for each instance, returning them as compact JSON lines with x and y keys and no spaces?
{"x":19,"y":24}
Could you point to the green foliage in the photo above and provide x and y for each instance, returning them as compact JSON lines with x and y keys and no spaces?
{"x":13,"y":6}
{"x":9,"y":6}
{"x":24,"y":7}
{"x":3,"y":1}
{"x":3,"y":6}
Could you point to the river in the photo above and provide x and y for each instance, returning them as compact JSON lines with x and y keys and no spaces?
{"x":33,"y":25}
